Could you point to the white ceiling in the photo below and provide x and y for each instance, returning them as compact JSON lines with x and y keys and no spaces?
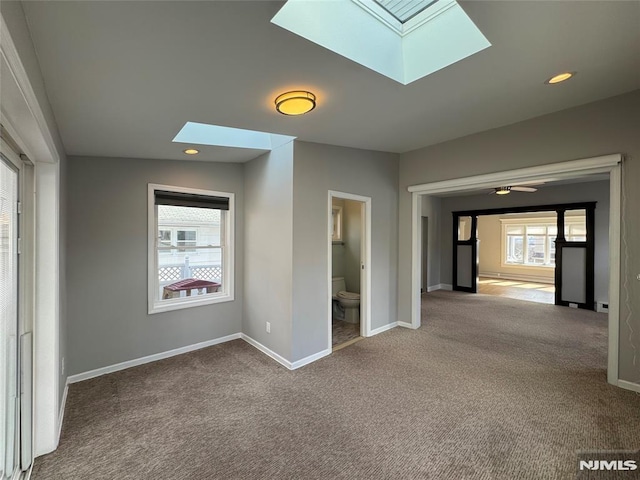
{"x":124,"y":77}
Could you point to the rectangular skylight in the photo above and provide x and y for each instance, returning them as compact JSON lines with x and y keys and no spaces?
{"x":405,"y":10}
{"x":204,"y":134}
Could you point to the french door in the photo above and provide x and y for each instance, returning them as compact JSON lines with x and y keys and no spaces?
{"x":15,"y":338}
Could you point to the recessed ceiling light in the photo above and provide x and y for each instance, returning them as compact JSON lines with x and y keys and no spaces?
{"x":191,"y":151}
{"x":297,"y":102}
{"x":561,"y":77}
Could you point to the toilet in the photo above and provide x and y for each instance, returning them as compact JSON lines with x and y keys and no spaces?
{"x":344,"y":301}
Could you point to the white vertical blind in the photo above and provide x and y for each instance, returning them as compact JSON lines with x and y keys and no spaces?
{"x":8,"y":318}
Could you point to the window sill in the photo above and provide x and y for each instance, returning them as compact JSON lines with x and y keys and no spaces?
{"x":180,"y":304}
{"x":524,"y":265}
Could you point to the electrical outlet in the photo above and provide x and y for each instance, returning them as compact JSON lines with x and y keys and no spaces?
{"x":268,"y":327}
{"x":573,"y":305}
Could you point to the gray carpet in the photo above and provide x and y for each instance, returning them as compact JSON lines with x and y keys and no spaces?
{"x":487,"y":388}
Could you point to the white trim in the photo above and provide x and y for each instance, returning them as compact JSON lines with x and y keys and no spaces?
{"x":157,"y":306}
{"x":311,"y":358}
{"x":366,"y":263}
{"x":416,"y":257}
{"x":615,"y":260}
{"x":10,"y":54}
{"x":406,"y":325}
{"x":267,"y":351}
{"x":542,"y":173}
{"x":634,"y":387}
{"x":440,"y":286}
{"x":63,"y":404}
{"x":149,"y":358}
{"x":383,"y":328}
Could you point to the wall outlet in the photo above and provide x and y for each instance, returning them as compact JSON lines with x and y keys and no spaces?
{"x":268,"y":327}
{"x":573,"y":305}
{"x":602,"y":307}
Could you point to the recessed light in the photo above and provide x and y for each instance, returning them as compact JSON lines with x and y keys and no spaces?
{"x":561,"y":77}
{"x":297,"y":102}
{"x":191,"y":151}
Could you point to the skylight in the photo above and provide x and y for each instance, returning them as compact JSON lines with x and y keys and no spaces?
{"x":204,"y":134}
{"x":404,"y":40}
{"x":405,"y":10}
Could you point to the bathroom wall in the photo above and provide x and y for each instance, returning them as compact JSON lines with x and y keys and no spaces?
{"x":352,"y":238}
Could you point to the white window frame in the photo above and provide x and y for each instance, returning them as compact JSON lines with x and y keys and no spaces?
{"x":155,"y":304}
{"x":530,"y":222}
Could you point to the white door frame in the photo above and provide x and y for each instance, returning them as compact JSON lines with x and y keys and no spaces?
{"x":365,"y":261}
{"x":610,"y":164}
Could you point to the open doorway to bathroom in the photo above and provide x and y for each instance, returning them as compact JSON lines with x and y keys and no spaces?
{"x":348,"y":268}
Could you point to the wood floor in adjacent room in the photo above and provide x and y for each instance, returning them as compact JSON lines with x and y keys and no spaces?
{"x":529,"y":291}
{"x":488,"y":388}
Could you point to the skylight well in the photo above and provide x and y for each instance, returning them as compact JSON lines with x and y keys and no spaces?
{"x":402,"y":39}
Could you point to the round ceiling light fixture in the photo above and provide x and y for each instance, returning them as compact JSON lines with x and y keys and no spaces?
{"x":561,"y":77}
{"x":191,"y":151}
{"x":503,"y":190}
{"x":297,"y":102}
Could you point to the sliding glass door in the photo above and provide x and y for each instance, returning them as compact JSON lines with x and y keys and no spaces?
{"x":9,"y":378}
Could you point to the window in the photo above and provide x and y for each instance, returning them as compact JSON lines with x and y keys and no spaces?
{"x":531,"y":242}
{"x":190,"y":247}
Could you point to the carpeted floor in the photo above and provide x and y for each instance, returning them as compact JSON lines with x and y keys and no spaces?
{"x":488,"y":388}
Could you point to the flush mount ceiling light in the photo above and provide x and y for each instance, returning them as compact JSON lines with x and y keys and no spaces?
{"x":561,"y":77}
{"x":297,"y":102}
{"x":507,"y":190}
{"x":503,"y":190}
{"x":191,"y":151}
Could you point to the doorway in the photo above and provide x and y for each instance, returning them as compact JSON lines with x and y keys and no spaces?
{"x":609,"y":164}
{"x":349,"y":276}
{"x":16,"y":177}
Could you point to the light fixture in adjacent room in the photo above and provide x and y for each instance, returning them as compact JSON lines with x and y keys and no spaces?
{"x":503,"y":190}
{"x":561,"y":77}
{"x":191,"y":151}
{"x":297,"y":102}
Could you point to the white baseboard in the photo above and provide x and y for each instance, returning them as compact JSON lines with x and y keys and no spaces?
{"x":634,"y":387}
{"x":383,"y":328}
{"x":311,"y":358}
{"x":63,"y":403}
{"x":440,"y":286}
{"x":150,"y":358}
{"x":405,"y":325}
{"x":267,"y":351}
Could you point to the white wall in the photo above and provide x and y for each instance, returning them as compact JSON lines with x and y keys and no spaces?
{"x":268,"y":249}
{"x":599,"y":128}
{"x":107,"y":267}
{"x":318,"y":169}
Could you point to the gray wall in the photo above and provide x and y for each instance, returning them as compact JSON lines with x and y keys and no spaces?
{"x":268,"y":247}
{"x":431,"y":208}
{"x":352,"y":222}
{"x":599,"y":128}
{"x":107,"y":261}
{"x":18,"y":29}
{"x":571,"y":193}
{"x":318,"y":169}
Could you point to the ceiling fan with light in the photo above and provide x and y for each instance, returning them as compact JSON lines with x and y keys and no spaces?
{"x":508,"y":189}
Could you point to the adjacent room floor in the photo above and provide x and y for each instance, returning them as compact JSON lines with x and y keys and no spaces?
{"x":487,"y":388}
{"x":530,"y":291}
{"x":343,"y":332}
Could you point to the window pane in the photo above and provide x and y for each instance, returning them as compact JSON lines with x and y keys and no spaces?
{"x":535,"y":252}
{"x":191,"y":225}
{"x":552,"y":250}
{"x":464,"y":228}
{"x":536,"y":230}
{"x":204,"y":264}
{"x":552,"y":231}
{"x":515,"y":249}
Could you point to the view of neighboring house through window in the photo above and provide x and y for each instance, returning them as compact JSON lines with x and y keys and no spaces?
{"x":191,"y":247}
{"x":531,"y":242}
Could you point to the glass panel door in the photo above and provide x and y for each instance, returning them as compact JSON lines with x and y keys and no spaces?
{"x":9,"y":407}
